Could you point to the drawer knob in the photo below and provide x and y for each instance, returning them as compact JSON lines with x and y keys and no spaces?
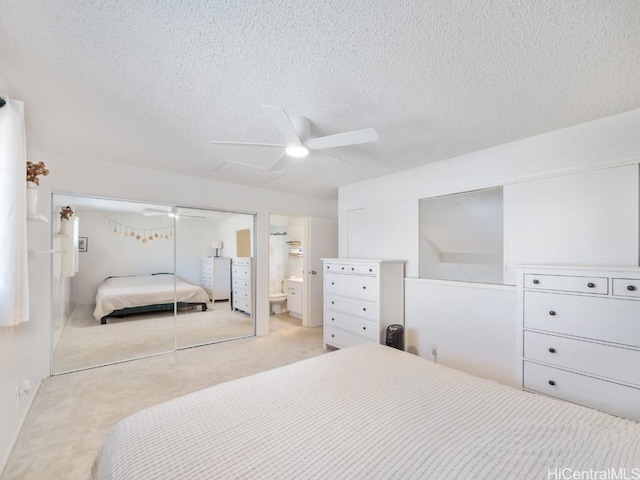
{"x":342,"y":268}
{"x":364,"y":288}
{"x":552,"y":313}
{"x":352,"y":269}
{"x":552,"y":350}
{"x":364,"y":309}
{"x":332,"y":335}
{"x":332,"y":283}
{"x":591,"y":285}
{"x":631,"y":288}
{"x":333,"y":319}
{"x":371,"y":270}
{"x":536,"y":281}
{"x":552,"y":383}
{"x":364,"y":328}
{"x":332,"y":302}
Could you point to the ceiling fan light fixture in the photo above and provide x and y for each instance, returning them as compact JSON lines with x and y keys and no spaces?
{"x":297,"y":151}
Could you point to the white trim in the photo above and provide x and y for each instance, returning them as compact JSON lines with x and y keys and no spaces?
{"x":454,"y":283}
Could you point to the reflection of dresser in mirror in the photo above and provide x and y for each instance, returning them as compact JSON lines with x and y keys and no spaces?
{"x":241,"y":283}
{"x":216,"y":277}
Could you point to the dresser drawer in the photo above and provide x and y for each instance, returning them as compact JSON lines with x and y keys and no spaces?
{"x":624,"y":287}
{"x":591,"y":392}
{"x":240,"y":283}
{"x":615,"y":363}
{"x":357,"y":269}
{"x":207,"y":283}
{"x":359,"y":326}
{"x":241,"y":262}
{"x":356,"y":286}
{"x":342,"y":339}
{"x":352,"y":306}
{"x":242,"y":304}
{"x":562,"y":283}
{"x":241,"y":273}
{"x":241,"y":294}
{"x":608,"y":319}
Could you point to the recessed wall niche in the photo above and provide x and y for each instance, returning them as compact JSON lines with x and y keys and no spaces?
{"x":461,"y":237}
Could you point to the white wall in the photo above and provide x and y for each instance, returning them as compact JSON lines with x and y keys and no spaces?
{"x":227,"y":234}
{"x":587,"y":214}
{"x":472,"y":326}
{"x":109,"y":255}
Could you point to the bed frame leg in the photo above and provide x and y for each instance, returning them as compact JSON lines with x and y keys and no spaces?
{"x":103,"y":321}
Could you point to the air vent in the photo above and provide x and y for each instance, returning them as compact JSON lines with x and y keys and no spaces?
{"x":245,"y":172}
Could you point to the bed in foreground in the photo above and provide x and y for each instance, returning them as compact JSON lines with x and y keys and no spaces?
{"x":123,"y":296}
{"x":366,"y":412}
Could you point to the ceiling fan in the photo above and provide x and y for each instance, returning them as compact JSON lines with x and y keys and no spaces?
{"x":153,"y":212}
{"x":295,"y":132}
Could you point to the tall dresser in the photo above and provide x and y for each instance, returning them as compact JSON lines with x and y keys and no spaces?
{"x":241,"y":283}
{"x":579,"y":336}
{"x":216,"y":277}
{"x":361,"y":299}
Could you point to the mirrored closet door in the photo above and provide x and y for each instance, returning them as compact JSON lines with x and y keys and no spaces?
{"x":205,"y":253}
{"x":131,"y":280}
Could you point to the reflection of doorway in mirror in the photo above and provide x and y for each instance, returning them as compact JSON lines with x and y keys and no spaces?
{"x":243,"y":243}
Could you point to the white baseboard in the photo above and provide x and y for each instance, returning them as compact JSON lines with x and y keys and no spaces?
{"x":7,"y":454}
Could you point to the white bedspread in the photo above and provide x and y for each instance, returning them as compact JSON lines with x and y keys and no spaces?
{"x":125,"y":292}
{"x":366,"y":412}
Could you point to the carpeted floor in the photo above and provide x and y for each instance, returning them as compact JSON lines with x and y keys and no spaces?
{"x":84,"y":342}
{"x":71,"y":413}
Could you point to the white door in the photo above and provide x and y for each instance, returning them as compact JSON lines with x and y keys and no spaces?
{"x":321,"y":241}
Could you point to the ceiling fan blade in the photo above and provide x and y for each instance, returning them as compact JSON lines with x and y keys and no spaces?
{"x":280,"y":163}
{"x":354,"y":137}
{"x":152,"y":212}
{"x":283,"y":124}
{"x":247,"y":144}
{"x":344,"y":162}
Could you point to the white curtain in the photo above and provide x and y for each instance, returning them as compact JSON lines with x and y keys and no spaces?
{"x":14,"y":281}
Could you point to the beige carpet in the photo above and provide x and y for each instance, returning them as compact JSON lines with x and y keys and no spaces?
{"x":71,"y":413}
{"x":84,"y":342}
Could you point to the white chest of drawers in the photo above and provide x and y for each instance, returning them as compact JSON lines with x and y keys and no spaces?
{"x":361,"y":299}
{"x":241,"y":284}
{"x":579,"y":336}
{"x":216,"y":277}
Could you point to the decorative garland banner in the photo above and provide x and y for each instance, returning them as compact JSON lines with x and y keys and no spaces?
{"x":144,"y":235}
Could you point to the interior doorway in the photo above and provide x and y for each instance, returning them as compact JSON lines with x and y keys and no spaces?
{"x":286,"y":271}
{"x":296,"y":248}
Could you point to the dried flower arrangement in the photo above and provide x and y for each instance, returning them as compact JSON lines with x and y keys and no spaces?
{"x":65,"y":213}
{"x":35,"y":169}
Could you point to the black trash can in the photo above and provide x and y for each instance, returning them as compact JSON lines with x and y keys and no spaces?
{"x":395,"y":336}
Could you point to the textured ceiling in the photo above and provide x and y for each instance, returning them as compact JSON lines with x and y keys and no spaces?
{"x":151,"y":82}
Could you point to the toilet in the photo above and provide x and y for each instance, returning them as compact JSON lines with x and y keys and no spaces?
{"x":277,"y":303}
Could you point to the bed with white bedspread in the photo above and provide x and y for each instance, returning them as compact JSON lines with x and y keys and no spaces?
{"x":144,"y":293}
{"x":366,"y":412}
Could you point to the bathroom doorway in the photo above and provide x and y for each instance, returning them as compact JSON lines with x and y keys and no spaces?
{"x":297,"y":246}
{"x":286,"y":271}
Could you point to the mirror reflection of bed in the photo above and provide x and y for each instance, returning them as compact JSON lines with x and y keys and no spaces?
{"x":115,"y":301}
